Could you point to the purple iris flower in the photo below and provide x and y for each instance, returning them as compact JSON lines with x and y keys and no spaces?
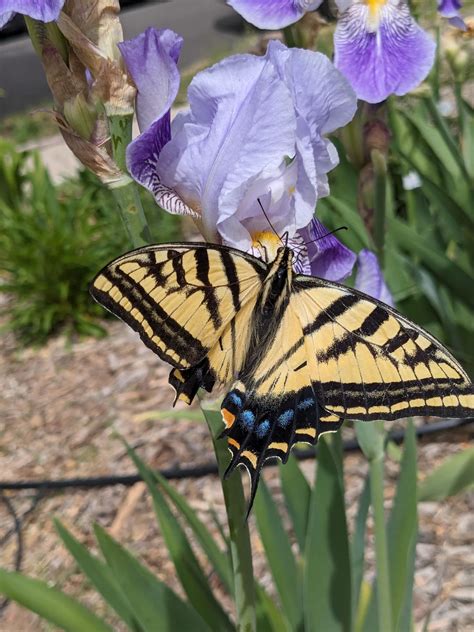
{"x":44,"y":10}
{"x":450,"y":9}
{"x":249,"y":157}
{"x":273,"y":14}
{"x":369,"y":277}
{"x":325,"y":256}
{"x":381,"y":49}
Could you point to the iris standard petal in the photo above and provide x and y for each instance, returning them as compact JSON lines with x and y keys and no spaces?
{"x":251,"y":134}
{"x":241,"y":122}
{"x":324,"y":255}
{"x":273,"y":14}
{"x":369,"y":277}
{"x":44,"y":10}
{"x":383,"y":52}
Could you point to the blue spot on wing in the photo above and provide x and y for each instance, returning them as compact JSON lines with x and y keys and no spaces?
{"x":247,"y":418}
{"x":304,"y":404}
{"x":285,"y":418}
{"x":235,"y":399}
{"x":263,"y":429}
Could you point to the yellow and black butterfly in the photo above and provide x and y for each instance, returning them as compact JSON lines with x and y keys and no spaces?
{"x":301,"y":354}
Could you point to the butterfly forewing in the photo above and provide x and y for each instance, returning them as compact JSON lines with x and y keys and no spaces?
{"x":180,"y":298}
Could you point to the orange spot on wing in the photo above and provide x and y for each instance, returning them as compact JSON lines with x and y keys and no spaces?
{"x":228,"y":417}
{"x":233,"y":442}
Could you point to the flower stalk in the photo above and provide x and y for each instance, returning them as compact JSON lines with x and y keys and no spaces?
{"x":125,"y":190}
{"x":380,"y":201}
{"x":239,"y":535}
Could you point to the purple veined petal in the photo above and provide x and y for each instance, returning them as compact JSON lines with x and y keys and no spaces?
{"x":273,"y":14}
{"x":327,"y":258}
{"x":449,"y":8}
{"x":151,"y":59}
{"x":383,"y":54}
{"x":44,"y":10}
{"x":369,"y":277}
{"x":241,"y":122}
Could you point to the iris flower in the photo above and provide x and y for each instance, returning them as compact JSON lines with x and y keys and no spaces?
{"x":249,"y":159}
{"x":450,"y":9}
{"x":44,"y":10}
{"x":381,"y":49}
{"x":378,"y":45}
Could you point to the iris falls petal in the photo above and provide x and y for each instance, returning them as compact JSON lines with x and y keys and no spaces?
{"x":381,"y":49}
{"x":151,"y":59}
{"x":273,"y":14}
{"x":326,"y":256}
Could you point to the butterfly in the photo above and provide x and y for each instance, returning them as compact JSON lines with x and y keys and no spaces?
{"x":300,"y":354}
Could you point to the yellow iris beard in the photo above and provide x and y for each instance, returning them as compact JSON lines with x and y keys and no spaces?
{"x":267,"y":243}
{"x":374,"y":13}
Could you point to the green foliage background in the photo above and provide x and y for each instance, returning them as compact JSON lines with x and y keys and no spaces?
{"x":53,"y":241}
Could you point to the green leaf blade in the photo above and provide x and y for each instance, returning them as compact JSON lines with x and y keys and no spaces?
{"x":297,"y":494}
{"x":189,"y":571}
{"x":402,"y":531}
{"x":100,"y":575}
{"x":454,"y":475}
{"x":50,"y":603}
{"x":279,"y":555}
{"x":327,"y":582}
{"x":156,"y":607}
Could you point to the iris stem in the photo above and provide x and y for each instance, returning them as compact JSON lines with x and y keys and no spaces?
{"x":125,"y":190}
{"x":239,"y":535}
{"x":380,"y":201}
{"x":292,"y":36}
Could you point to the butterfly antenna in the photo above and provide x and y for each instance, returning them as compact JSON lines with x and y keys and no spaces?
{"x":268,"y":220}
{"x":331,"y":232}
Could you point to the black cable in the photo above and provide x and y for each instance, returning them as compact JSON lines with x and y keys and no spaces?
{"x":205,"y":469}
{"x":16,"y":530}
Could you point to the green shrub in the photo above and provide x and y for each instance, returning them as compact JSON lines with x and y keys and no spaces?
{"x":53,"y":240}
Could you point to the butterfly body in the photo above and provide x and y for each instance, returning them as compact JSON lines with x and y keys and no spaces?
{"x":300,"y":354}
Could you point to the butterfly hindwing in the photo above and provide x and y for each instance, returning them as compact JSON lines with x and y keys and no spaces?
{"x":273,"y":404}
{"x":180,"y":298}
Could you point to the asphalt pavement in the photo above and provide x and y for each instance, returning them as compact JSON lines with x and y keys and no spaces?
{"x":208,"y":27}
